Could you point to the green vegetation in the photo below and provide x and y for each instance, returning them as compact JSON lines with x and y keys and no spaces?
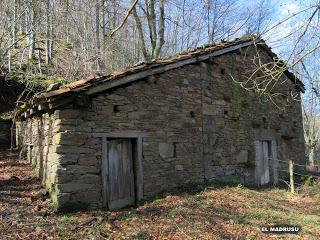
{"x":38,"y":80}
{"x":192,"y":211}
{"x":213,"y":211}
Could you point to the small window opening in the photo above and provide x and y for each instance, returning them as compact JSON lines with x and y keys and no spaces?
{"x":116,"y":109}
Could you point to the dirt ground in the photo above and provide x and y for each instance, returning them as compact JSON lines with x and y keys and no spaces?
{"x":211,"y":212}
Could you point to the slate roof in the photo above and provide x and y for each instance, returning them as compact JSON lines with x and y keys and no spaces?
{"x":90,"y":85}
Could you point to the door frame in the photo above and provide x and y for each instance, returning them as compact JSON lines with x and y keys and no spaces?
{"x":262,"y":135}
{"x":138,"y":167}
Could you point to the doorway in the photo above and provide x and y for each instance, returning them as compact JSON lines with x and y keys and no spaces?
{"x":266,"y":163}
{"x":120,"y":168}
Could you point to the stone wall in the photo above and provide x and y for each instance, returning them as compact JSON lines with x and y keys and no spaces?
{"x":168,"y":108}
{"x":5,"y":132}
{"x":233,"y":115}
{"x":68,"y":168}
{"x":199,"y":123}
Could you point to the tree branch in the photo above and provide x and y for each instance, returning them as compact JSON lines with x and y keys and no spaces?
{"x":125,"y":18}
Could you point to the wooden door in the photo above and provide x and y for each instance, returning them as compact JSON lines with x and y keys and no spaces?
{"x":265,"y":176}
{"x":120,"y":181}
{"x":266,"y":170}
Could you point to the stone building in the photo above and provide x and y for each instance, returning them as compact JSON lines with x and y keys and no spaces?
{"x":113,"y":140}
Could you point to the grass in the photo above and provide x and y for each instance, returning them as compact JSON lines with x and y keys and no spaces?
{"x":194,"y":211}
{"x":218,"y":213}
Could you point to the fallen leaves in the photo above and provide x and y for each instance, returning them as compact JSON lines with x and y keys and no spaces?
{"x":217,"y":212}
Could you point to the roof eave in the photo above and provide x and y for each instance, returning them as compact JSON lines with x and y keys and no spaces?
{"x":103,"y":86}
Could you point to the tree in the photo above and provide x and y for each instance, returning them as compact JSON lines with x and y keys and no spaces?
{"x":156,"y":29}
{"x":49,"y":32}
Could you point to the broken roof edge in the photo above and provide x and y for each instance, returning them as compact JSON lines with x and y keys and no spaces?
{"x":94,"y":85}
{"x":182,"y":58}
{"x":106,"y":84}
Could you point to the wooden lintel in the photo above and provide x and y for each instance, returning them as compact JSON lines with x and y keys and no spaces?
{"x":125,"y":134}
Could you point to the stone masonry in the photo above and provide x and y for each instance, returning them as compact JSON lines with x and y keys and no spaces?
{"x":200,"y":124}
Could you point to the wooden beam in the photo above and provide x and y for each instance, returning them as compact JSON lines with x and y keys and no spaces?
{"x":60,"y":102}
{"x":127,"y":134}
{"x":137,"y":76}
{"x":43,"y":107}
{"x":26,"y":114}
{"x":104,"y":162}
{"x":139,"y":169}
{"x":33,"y":111}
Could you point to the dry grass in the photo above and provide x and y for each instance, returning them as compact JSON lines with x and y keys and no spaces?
{"x":216,"y":212}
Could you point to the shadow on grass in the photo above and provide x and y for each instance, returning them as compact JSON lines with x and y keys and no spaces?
{"x":194,"y":188}
{"x":13,"y":190}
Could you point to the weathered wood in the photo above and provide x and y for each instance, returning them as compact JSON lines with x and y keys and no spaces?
{"x":139,"y":170}
{"x":258,"y":160}
{"x":291,"y":176}
{"x":60,"y":102}
{"x":104,"y":171}
{"x":120,"y":174}
{"x":156,"y":70}
{"x":43,"y":107}
{"x":33,"y":111}
{"x":125,"y":134}
{"x":138,"y":158}
{"x":266,"y":163}
{"x":266,"y":169}
{"x":274,"y":163}
{"x":26,"y":114}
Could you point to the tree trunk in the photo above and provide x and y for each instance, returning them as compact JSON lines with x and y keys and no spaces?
{"x":311,"y":156}
{"x":14,"y":27}
{"x":146,"y":56}
{"x":98,"y":47}
{"x":151,"y":17}
{"x":66,"y":21}
{"x":105,"y":23}
{"x":29,"y":19}
{"x":48,"y":33}
{"x":160,"y":37}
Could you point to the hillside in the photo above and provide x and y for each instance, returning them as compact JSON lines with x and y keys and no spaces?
{"x":205,"y":212}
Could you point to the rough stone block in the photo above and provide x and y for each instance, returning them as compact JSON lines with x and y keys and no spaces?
{"x":63,"y":159}
{"x":81,"y":170}
{"x":179,"y":167}
{"x":91,"y":179}
{"x":69,"y":138}
{"x":62,"y":199}
{"x":70,"y":149}
{"x":209,"y":109}
{"x":166,"y":150}
{"x":73,"y":187}
{"x":243,"y":156}
{"x":88,"y":159}
{"x":69,"y":114}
